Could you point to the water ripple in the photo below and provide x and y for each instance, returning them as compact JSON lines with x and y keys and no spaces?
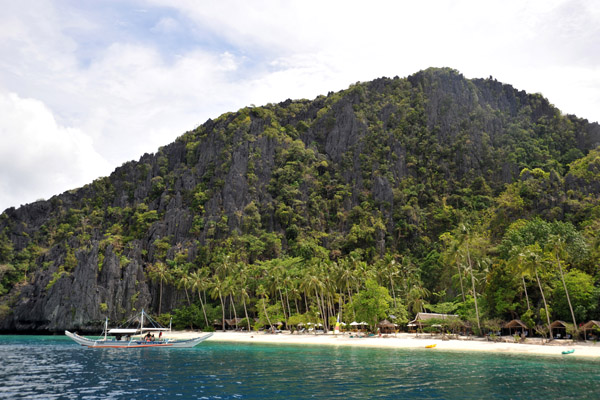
{"x":54,"y":368}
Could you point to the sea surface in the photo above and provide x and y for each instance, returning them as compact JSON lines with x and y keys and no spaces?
{"x":54,"y":367}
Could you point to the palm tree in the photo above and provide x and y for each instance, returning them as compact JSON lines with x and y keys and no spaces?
{"x":200,"y":282}
{"x":217,"y":286}
{"x":160,"y":272}
{"x":533,"y":257}
{"x":312,"y":282}
{"x":244,"y":294}
{"x":558,"y":246}
{"x":229,"y":289}
{"x":346,"y":278}
{"x":452,"y":256}
{"x":183,"y":279}
{"x":265,"y":298}
{"x":388,"y":270}
{"x":416,"y":297}
{"x":471,"y":243}
{"x":516,"y":263}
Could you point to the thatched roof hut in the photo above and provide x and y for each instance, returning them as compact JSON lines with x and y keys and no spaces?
{"x":591,"y":325}
{"x":588,"y":326}
{"x":561,"y":328}
{"x":386,"y":326}
{"x":421,"y":317}
{"x":517,"y":325}
{"x":233,"y":323}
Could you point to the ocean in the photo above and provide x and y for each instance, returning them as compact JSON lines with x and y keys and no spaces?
{"x":54,"y":367}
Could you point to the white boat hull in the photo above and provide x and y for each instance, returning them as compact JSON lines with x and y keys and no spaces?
{"x":132,"y":344}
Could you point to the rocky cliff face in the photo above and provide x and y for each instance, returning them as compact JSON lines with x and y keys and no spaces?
{"x":263,"y":180}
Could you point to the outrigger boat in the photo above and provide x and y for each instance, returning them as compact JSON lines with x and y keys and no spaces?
{"x":131,"y":338}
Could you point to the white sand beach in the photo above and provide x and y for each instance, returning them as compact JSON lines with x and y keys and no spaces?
{"x":407,"y":341}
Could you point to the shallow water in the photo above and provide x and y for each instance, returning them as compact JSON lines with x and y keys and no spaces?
{"x":54,"y":367}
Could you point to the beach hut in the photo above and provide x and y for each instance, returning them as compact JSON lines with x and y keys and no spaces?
{"x":516,"y":325}
{"x":217,"y":324}
{"x":561,"y":329}
{"x":590,"y":326}
{"x":232,"y":323}
{"x":386,"y":326}
{"x":422,"y":318}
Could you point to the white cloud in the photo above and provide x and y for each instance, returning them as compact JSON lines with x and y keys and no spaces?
{"x":38,"y":157}
{"x":343,"y":42}
{"x":166,"y":25}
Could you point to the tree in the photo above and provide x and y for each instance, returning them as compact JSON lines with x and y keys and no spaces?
{"x":244,"y":290}
{"x":583,"y":294}
{"x":452,"y":256}
{"x":517,"y":265}
{"x":542,"y":243}
{"x":565,"y":242}
{"x":201,"y":282}
{"x":159,"y":271}
{"x":265,"y":299}
{"x":217,"y":288}
{"x":533,"y":256}
{"x":469,"y":247}
{"x":372,"y":303}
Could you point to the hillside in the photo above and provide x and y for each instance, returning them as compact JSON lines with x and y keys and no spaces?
{"x":291,"y":207}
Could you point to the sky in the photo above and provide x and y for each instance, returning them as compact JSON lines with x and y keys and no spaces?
{"x":87,"y":85}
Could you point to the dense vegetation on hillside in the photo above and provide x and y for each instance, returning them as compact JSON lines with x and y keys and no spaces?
{"x":453,"y":195}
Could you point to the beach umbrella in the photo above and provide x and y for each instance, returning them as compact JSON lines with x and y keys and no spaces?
{"x":354,"y":323}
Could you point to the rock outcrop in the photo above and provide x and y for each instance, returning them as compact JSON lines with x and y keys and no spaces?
{"x":279,"y":170}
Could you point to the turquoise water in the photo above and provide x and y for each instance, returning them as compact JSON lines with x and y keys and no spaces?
{"x":53,"y":367}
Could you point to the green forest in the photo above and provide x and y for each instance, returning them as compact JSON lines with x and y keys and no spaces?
{"x":432,"y":193}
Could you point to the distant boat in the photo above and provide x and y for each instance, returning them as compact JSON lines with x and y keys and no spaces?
{"x":131,"y":338}
{"x":431,"y":346}
{"x":569,"y":351}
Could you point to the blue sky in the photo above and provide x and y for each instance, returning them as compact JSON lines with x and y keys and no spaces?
{"x":88,"y":85}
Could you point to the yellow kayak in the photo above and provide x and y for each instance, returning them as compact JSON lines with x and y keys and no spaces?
{"x":430,"y":346}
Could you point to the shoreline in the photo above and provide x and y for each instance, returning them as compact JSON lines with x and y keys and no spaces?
{"x":404,"y":341}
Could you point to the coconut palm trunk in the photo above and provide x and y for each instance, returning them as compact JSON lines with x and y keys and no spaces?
{"x":203,"y":309}
{"x":282,"y":304}
{"x":474,"y":291}
{"x":266,"y":313}
{"x":462,"y":288}
{"x":562,"y":278}
{"x":393,"y":291}
{"x":545,"y":304}
{"x":233,"y":306}
{"x":246,"y":313}
{"x":525,"y":289}
{"x":223,"y":309}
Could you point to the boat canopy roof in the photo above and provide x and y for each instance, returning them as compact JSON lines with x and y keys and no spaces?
{"x":122,"y":331}
{"x":155,"y":329}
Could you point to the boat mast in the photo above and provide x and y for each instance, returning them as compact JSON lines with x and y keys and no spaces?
{"x":142,"y":323}
{"x":105,"y":328}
